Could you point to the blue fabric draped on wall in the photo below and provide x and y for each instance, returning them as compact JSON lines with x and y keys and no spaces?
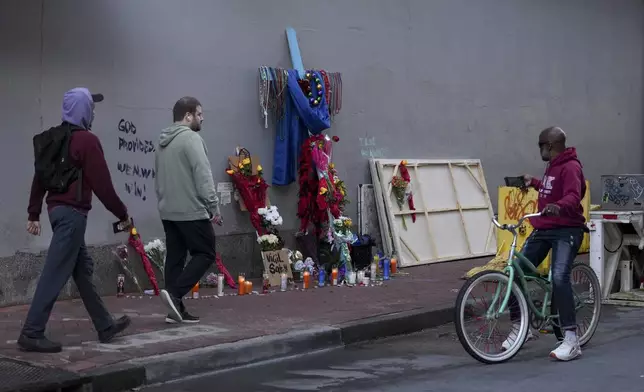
{"x":300,"y":119}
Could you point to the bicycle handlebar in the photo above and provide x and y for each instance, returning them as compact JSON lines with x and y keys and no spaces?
{"x":518,"y":224}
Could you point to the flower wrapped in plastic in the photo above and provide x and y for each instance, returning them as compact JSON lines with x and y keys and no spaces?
{"x":156,"y":251}
{"x":270,"y":217}
{"x":399,"y":188}
{"x":342,"y":238}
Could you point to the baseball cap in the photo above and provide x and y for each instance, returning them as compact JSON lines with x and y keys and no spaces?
{"x":97,"y":97}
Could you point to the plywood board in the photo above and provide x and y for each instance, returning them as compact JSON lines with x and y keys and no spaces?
{"x":386,"y":235}
{"x":453,"y":211}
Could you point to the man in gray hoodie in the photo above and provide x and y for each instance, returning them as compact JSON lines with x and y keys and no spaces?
{"x":188,"y":205}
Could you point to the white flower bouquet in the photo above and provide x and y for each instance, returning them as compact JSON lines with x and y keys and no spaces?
{"x":269,"y":242}
{"x":155,"y":250}
{"x":270,"y":216}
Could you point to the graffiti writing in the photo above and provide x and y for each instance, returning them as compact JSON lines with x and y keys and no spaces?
{"x":137,"y":189}
{"x":368,"y":148}
{"x":135,"y":170}
{"x":613,"y":193}
{"x":136,"y":176}
{"x":136,"y":145}
{"x":127,"y":127}
{"x":636,"y":188}
{"x":516,"y":206}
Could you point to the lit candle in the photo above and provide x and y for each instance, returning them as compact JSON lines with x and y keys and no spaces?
{"x":307,"y":280}
{"x":195,"y":291}
{"x":394,"y":265}
{"x":249,"y":287}
{"x":240,"y":284}
{"x":334,"y":276}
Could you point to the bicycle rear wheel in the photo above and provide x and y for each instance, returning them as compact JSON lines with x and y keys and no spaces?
{"x":587,"y":297}
{"x":471,"y":308}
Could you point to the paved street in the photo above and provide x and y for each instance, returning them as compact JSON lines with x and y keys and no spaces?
{"x":435,"y":361}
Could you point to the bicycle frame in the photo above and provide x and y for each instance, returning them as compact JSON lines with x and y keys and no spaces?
{"x":515,"y":272}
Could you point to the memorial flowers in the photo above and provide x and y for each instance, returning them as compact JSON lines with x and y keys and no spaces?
{"x":251,"y":186}
{"x":270,"y":242}
{"x":155,"y":250}
{"x":402,"y":191}
{"x":341,"y":237}
{"x":270,"y":217}
{"x":321,"y":189}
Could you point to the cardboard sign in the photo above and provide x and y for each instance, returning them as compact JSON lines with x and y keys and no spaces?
{"x":233,"y":163}
{"x":276,"y":263}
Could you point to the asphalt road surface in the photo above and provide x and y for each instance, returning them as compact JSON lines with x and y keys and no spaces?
{"x":435,"y":361}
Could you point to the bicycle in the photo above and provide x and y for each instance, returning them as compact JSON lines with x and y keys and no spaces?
{"x":535,"y":313}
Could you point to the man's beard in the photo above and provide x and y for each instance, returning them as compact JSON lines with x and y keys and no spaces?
{"x":195,"y":126}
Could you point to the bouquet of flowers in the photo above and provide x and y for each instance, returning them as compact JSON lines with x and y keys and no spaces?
{"x":270,"y":242}
{"x":155,"y":250}
{"x":320,"y":187}
{"x":400,"y":190}
{"x":252,"y":188}
{"x":342,"y":237}
{"x":270,"y":217}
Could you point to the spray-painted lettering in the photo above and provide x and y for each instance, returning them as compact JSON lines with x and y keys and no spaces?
{"x":127,"y":127}
{"x":137,"y":189}
{"x":516,"y":206}
{"x":135,"y":170}
{"x":136,"y":145}
{"x":613,"y":193}
{"x":134,"y":175}
{"x":369,"y":149}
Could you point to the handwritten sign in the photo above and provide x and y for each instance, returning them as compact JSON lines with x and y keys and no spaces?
{"x":276,"y":263}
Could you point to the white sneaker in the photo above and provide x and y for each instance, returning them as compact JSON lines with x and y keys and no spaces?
{"x":514,"y":334}
{"x":567,"y":350}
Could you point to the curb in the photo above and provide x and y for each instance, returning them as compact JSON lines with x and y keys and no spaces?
{"x":172,"y":366}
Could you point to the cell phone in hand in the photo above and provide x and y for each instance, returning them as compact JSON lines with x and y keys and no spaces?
{"x":121,"y":226}
{"x":515,"y":182}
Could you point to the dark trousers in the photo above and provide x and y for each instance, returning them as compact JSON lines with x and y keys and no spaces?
{"x":67,"y":256}
{"x":565,"y":243}
{"x":196,"y":237}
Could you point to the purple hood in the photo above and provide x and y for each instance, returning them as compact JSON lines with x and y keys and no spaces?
{"x":78,"y":107}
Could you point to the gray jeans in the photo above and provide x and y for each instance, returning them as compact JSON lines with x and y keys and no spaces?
{"x":67,"y":256}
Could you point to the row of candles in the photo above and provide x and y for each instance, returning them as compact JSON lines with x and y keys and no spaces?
{"x":390,"y":266}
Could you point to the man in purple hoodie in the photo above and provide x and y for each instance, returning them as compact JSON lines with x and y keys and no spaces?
{"x":67,"y":255}
{"x":560,"y":229}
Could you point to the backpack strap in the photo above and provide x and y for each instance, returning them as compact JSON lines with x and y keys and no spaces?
{"x":79,"y":187}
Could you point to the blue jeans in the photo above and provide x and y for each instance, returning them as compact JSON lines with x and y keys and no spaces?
{"x":67,"y":256}
{"x":565,"y":243}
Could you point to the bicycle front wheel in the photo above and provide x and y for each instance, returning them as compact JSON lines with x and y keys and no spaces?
{"x":498,"y":337}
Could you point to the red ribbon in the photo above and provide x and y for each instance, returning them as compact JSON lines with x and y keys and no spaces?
{"x":135,"y":242}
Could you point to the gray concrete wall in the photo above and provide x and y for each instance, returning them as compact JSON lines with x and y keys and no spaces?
{"x":426,"y":79}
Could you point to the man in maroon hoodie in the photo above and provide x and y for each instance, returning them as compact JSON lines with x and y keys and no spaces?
{"x":67,"y":255}
{"x":560,"y":228}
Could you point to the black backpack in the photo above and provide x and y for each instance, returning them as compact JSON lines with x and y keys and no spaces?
{"x":54,"y":168}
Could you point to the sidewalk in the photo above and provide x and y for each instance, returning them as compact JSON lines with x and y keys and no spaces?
{"x":238,"y":330}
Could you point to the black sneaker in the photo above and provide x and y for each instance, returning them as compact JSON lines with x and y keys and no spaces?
{"x":173,"y":305}
{"x":187,"y":318}
{"x":119,"y":326}
{"x":42,"y":345}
